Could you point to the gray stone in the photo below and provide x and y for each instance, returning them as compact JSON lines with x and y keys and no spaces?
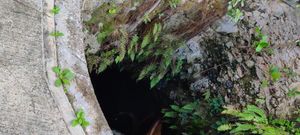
{"x":200,"y":84}
{"x":226,"y":26}
{"x":250,"y":63}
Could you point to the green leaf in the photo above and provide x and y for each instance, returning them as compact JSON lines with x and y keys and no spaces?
{"x":298,"y":119}
{"x":173,"y":127}
{"x":75,"y":123}
{"x":242,"y":128}
{"x":80,"y":114}
{"x":224,"y":127}
{"x":56,"y":70}
{"x":69,"y":75}
{"x":246,"y":116}
{"x":154,"y":81}
{"x":132,"y":55}
{"x":146,"y":41}
{"x":112,"y":11}
{"x":275,"y":73}
{"x":56,"y":34}
{"x":85,"y":123}
{"x":261,"y":45}
{"x":175,"y":107}
{"x":66,"y":81}
{"x":55,"y":10}
{"x":58,"y":83}
{"x":170,"y":114}
{"x":190,"y":106}
{"x":148,"y":69}
{"x":256,"y":110}
{"x":206,"y":95}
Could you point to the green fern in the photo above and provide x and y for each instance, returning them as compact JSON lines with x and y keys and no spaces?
{"x":146,"y":70}
{"x":133,"y":47}
{"x":146,"y":41}
{"x":122,"y":46}
{"x":156,"y":31}
{"x":253,"y":120}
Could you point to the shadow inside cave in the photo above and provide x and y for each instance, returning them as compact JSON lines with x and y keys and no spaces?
{"x":130,"y":107}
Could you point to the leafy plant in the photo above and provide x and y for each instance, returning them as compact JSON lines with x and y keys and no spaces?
{"x":55,"y":10}
{"x":253,"y":120}
{"x":105,"y":31}
{"x":56,"y":34}
{"x":298,"y":42}
{"x":154,"y":53}
{"x":174,"y":3}
{"x":64,"y":77}
{"x":80,"y":119}
{"x":275,"y":73}
{"x":146,"y":18}
{"x":233,"y":11}
{"x":262,"y":40}
{"x":215,"y":105}
{"x":186,"y":118}
{"x":151,"y":53}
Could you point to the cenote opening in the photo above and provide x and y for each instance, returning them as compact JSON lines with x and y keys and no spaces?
{"x":130,"y":107}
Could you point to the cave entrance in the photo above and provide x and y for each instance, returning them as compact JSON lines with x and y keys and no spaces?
{"x":130,"y":107}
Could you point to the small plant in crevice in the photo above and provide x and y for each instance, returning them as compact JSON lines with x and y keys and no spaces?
{"x":55,"y":10}
{"x":261,"y":40}
{"x":80,"y":119}
{"x":234,"y":11}
{"x":56,"y":34}
{"x":275,"y":73}
{"x":146,"y":18}
{"x":253,"y":120}
{"x":64,"y":77}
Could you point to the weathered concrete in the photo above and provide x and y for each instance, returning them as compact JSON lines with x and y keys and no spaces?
{"x":29,"y":102}
{"x":70,"y":50}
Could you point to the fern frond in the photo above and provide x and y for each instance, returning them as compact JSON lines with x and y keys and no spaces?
{"x":146,"y":41}
{"x":146,"y":70}
{"x":122,"y":46}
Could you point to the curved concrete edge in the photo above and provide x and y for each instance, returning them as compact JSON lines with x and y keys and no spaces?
{"x":50,"y":57}
{"x":71,"y":54}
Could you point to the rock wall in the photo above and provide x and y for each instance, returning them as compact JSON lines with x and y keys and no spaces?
{"x":223,"y":60}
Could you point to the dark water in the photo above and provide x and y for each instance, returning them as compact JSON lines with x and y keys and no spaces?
{"x":130,"y":107}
